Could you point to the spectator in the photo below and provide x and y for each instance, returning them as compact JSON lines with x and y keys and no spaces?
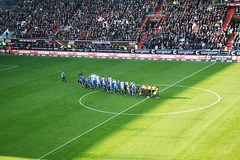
{"x":189,"y":26}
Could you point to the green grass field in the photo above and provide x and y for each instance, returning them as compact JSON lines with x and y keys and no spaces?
{"x":41,"y":117}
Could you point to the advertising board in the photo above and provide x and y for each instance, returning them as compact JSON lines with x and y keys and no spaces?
{"x":177,"y":57}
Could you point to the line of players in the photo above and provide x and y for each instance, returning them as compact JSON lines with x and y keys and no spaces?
{"x":112,"y":86}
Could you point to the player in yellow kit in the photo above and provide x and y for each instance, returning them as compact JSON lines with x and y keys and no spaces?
{"x":153,"y":90}
{"x":143,"y":88}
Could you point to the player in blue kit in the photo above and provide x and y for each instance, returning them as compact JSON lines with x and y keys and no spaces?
{"x":80,"y":74}
{"x":89,"y":82}
{"x":113,"y":85}
{"x":118,"y":87}
{"x":133,"y":91}
{"x":83,"y":81}
{"x":95,"y":83}
{"x":80,"y":81}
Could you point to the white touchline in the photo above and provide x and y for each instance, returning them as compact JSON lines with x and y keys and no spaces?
{"x":122,"y":112}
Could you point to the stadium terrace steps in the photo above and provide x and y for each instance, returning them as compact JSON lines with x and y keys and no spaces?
{"x":61,"y":43}
{"x":229,"y":45}
{"x":159,"y":10}
{"x":140,"y":43}
{"x":228,"y":19}
{"x":144,"y":22}
{"x":158,"y":14}
{"x":10,"y":34}
{"x":159,"y":23}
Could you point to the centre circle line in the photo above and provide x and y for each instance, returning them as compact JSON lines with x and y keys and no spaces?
{"x":109,"y":119}
{"x":155,"y":114}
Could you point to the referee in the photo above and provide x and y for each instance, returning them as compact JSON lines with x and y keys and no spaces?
{"x":63,"y":77}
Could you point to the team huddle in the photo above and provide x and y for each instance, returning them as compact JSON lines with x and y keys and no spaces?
{"x":110,"y":85}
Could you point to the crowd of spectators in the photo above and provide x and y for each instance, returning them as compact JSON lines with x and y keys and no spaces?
{"x":12,"y":18}
{"x":47,"y":17}
{"x":96,"y":19}
{"x":235,"y":43}
{"x":38,"y":18}
{"x":188,"y":25}
{"x":109,"y":20}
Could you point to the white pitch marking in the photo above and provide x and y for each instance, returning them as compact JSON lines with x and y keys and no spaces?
{"x":187,"y":77}
{"x":91,"y":129}
{"x":120,"y":113}
{"x":155,"y":114}
{"x":11,"y":67}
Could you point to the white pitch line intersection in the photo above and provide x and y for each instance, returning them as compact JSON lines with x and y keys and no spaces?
{"x":121,"y":113}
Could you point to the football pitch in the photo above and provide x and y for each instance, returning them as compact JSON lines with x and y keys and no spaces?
{"x":196,"y":117}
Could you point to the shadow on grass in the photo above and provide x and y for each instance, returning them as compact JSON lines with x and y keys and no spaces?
{"x":165,"y":97}
{"x":104,"y":131}
{"x":77,"y":148}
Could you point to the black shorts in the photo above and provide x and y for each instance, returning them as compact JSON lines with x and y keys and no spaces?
{"x":137,"y":90}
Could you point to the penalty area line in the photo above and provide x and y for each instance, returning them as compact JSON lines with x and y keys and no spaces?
{"x":122,"y":112}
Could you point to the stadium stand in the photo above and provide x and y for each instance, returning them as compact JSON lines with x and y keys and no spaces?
{"x":188,"y":25}
{"x":151,"y":24}
{"x":113,"y":21}
{"x":46,"y":17}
